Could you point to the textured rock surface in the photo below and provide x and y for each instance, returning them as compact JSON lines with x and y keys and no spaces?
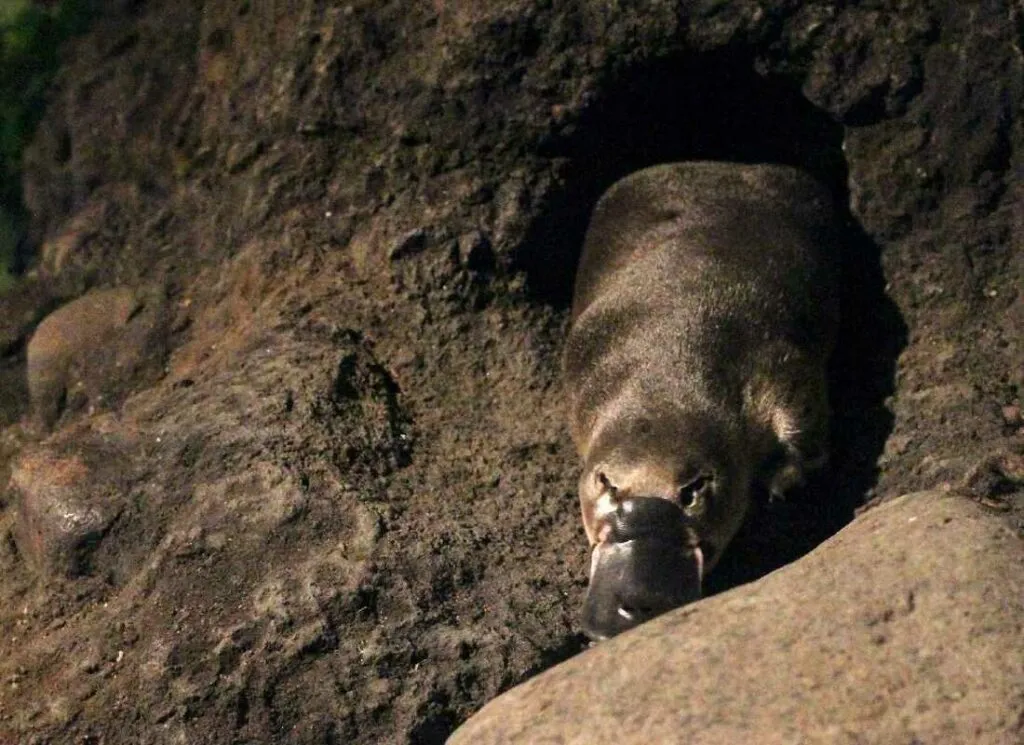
{"x":904,"y":627}
{"x":65,"y":500}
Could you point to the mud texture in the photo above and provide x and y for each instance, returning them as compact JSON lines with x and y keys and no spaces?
{"x":343,"y":510}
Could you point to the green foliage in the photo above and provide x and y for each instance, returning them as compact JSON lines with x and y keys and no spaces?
{"x":9,"y":9}
{"x":30,"y":36}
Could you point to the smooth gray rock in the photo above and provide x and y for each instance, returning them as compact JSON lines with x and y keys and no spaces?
{"x":905,"y":627}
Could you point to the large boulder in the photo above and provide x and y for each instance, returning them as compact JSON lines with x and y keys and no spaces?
{"x":904,"y":627}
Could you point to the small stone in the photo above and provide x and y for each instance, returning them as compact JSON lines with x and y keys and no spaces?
{"x":408,"y":245}
{"x":1012,"y":415}
{"x":241,"y":155}
{"x":58,"y":252}
{"x":91,"y":662}
{"x":62,"y":512}
{"x":479,"y":194}
{"x":475,"y":251}
{"x":895,"y":446}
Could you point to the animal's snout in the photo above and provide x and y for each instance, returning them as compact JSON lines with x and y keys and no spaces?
{"x":642,"y":517}
{"x":646,"y":565}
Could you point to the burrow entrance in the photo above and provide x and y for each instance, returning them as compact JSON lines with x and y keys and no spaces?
{"x":710,"y":107}
{"x":716,"y":107}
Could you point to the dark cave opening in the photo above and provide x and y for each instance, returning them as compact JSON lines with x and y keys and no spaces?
{"x":709,"y":107}
{"x":717,"y":107}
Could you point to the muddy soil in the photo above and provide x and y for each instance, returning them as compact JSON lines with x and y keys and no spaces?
{"x":345,"y":512}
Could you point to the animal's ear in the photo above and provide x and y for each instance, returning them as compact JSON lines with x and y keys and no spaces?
{"x":606,"y":484}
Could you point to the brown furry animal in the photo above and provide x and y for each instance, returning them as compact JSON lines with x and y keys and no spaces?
{"x":704,"y":313}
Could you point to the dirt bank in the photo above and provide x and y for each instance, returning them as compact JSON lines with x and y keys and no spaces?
{"x":345,"y":512}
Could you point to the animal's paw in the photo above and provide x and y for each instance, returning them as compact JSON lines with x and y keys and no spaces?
{"x":789,"y":476}
{"x":792,"y":472}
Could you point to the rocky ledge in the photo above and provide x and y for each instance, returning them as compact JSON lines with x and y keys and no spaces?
{"x":904,"y":627}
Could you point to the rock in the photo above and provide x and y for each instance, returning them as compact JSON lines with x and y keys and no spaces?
{"x":56,"y":252}
{"x":65,"y":502}
{"x":995,"y":476}
{"x":475,"y":252}
{"x":882,"y":71}
{"x":904,"y":627}
{"x":413,"y":242}
{"x":86,"y":352}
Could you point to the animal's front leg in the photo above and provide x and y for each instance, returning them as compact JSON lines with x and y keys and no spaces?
{"x":800,"y":427}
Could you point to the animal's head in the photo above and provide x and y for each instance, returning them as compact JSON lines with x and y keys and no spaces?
{"x":661,"y":499}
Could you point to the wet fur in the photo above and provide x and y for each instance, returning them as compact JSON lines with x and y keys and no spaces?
{"x":704,"y":313}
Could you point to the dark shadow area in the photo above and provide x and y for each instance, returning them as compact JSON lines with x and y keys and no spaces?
{"x":13,"y":389}
{"x":711,"y":107}
{"x":30,"y":43}
{"x":861,"y":377}
{"x":716,"y":107}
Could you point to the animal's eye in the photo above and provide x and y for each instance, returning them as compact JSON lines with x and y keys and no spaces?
{"x":695,"y":492}
{"x":606,"y":483}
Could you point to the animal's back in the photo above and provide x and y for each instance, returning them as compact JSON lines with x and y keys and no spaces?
{"x":694,"y":278}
